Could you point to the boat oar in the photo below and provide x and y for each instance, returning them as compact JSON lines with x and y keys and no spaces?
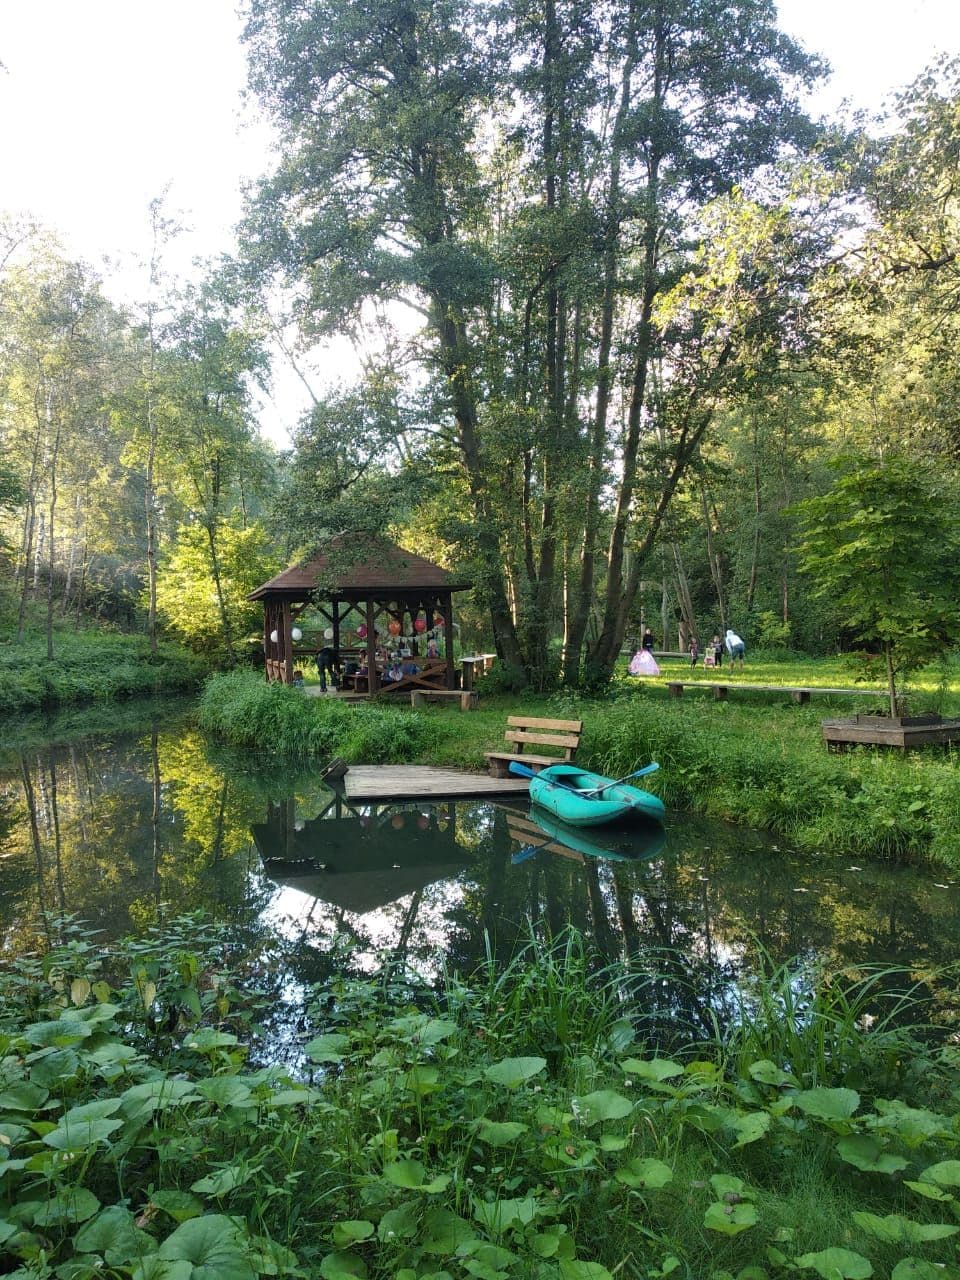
{"x":524,"y":771}
{"x":640,"y":773}
{"x":528,"y":851}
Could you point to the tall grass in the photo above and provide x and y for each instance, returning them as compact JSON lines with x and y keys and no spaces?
{"x":91,"y":666}
{"x":242,"y":709}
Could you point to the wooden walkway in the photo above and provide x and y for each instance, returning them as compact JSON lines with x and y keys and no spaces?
{"x":799,"y":693}
{"x":422,"y":782}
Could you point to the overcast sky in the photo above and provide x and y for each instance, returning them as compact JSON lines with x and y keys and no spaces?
{"x":104,"y":103}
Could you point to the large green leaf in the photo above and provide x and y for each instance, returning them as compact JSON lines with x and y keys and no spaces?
{"x":422,"y":1029}
{"x":573,"y":1269}
{"x":411,"y":1175}
{"x":444,"y":1232}
{"x":59,"y":1033}
{"x":55,"y":1067}
{"x":351,"y":1231}
{"x":328,"y":1048}
{"x":180,"y":1205}
{"x":655,"y":1069}
{"x":647,"y":1173}
{"x":944,"y":1174}
{"x":602,"y":1105}
{"x":400,"y":1223}
{"x":77,"y":1135}
{"x":512,"y":1072}
{"x":867,"y":1154}
{"x":225,"y":1091}
{"x":23,"y":1096}
{"x":827,"y":1104}
{"x":836,"y":1264}
{"x":916,"y":1269}
{"x":501,"y":1133}
{"x":730,"y":1219}
{"x":213,"y":1246}
{"x":343,"y":1266}
{"x":750,"y":1128}
{"x":71,"y":1204}
{"x":114,"y":1233}
{"x":895,"y":1229}
{"x":157,"y":1268}
{"x":767,"y":1072}
{"x":206,"y":1039}
{"x":498,"y":1216}
{"x":222,"y":1181}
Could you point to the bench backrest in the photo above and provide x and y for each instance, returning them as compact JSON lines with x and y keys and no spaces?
{"x":525,"y":731}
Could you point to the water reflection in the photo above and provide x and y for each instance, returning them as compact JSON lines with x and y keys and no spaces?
{"x":125,"y":830}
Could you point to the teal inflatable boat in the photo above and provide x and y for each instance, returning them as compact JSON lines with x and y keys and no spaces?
{"x":584,"y":799}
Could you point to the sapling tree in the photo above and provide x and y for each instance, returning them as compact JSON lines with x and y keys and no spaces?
{"x":883,"y":546}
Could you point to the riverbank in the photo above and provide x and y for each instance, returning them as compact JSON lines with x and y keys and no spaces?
{"x":92,"y":666}
{"x":755,"y":760}
{"x":513,"y":1125}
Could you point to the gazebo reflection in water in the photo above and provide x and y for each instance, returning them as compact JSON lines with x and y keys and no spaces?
{"x":360,"y":859}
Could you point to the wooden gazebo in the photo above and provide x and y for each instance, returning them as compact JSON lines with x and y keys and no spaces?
{"x":378,"y":591}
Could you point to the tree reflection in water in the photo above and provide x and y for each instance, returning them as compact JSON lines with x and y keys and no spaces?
{"x":125,"y":831}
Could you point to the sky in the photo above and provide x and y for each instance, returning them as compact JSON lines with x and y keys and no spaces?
{"x":105,"y":104}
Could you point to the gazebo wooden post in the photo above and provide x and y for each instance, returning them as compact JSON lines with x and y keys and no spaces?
{"x":336,"y":632}
{"x":447,"y":602}
{"x":287,"y":652}
{"x":373,"y":679}
{"x":266,"y":639}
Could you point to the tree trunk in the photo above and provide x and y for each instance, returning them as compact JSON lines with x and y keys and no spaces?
{"x":55,"y":456}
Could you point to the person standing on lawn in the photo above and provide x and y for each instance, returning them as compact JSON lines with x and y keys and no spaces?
{"x":735,"y":647}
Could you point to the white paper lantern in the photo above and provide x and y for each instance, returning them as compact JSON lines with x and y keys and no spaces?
{"x":274,"y":637}
{"x":328,"y":634}
{"x":296,"y":633}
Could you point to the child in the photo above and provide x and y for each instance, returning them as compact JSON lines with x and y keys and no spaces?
{"x":298,"y":679}
{"x":717,"y":645}
{"x":694,"y":651}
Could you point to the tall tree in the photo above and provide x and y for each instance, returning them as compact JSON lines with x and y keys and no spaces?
{"x":532,"y":187}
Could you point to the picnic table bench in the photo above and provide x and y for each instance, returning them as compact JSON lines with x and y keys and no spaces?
{"x":523,"y":731}
{"x":799,"y":693}
{"x":466,"y":697}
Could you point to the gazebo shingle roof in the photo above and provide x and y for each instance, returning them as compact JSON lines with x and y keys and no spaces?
{"x":359,"y":565}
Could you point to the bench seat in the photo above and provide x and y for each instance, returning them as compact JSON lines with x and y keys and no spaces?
{"x":524,"y":731}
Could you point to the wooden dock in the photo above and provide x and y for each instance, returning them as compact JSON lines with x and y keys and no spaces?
{"x":422,"y":782}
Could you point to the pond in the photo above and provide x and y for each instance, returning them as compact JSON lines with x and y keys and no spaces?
{"x":127,"y":817}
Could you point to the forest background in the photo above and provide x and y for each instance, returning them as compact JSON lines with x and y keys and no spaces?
{"x":655,"y":305}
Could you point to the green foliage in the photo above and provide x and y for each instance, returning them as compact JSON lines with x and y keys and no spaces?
{"x":92,"y":666}
{"x":884,"y":547}
{"x":423,"y":1139}
{"x":243,"y":709}
{"x":185,"y":602}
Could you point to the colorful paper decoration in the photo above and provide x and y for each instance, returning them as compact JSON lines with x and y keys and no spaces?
{"x":419,"y":624}
{"x":362,"y":631}
{"x":393,"y":627}
{"x":328,"y":634}
{"x":274,"y":636}
{"x":296,"y":634}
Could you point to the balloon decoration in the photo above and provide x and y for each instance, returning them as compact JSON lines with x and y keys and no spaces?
{"x":438,"y":622}
{"x":328,"y":634}
{"x":274,"y":636}
{"x":420,"y":625}
{"x":393,"y":627}
{"x":296,"y":634}
{"x":362,"y":631}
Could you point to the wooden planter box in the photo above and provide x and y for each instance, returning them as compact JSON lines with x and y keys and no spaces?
{"x":889,"y":731}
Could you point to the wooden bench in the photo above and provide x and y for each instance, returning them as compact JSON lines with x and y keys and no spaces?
{"x":524,"y":731}
{"x":799,"y":693}
{"x":466,"y":697}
